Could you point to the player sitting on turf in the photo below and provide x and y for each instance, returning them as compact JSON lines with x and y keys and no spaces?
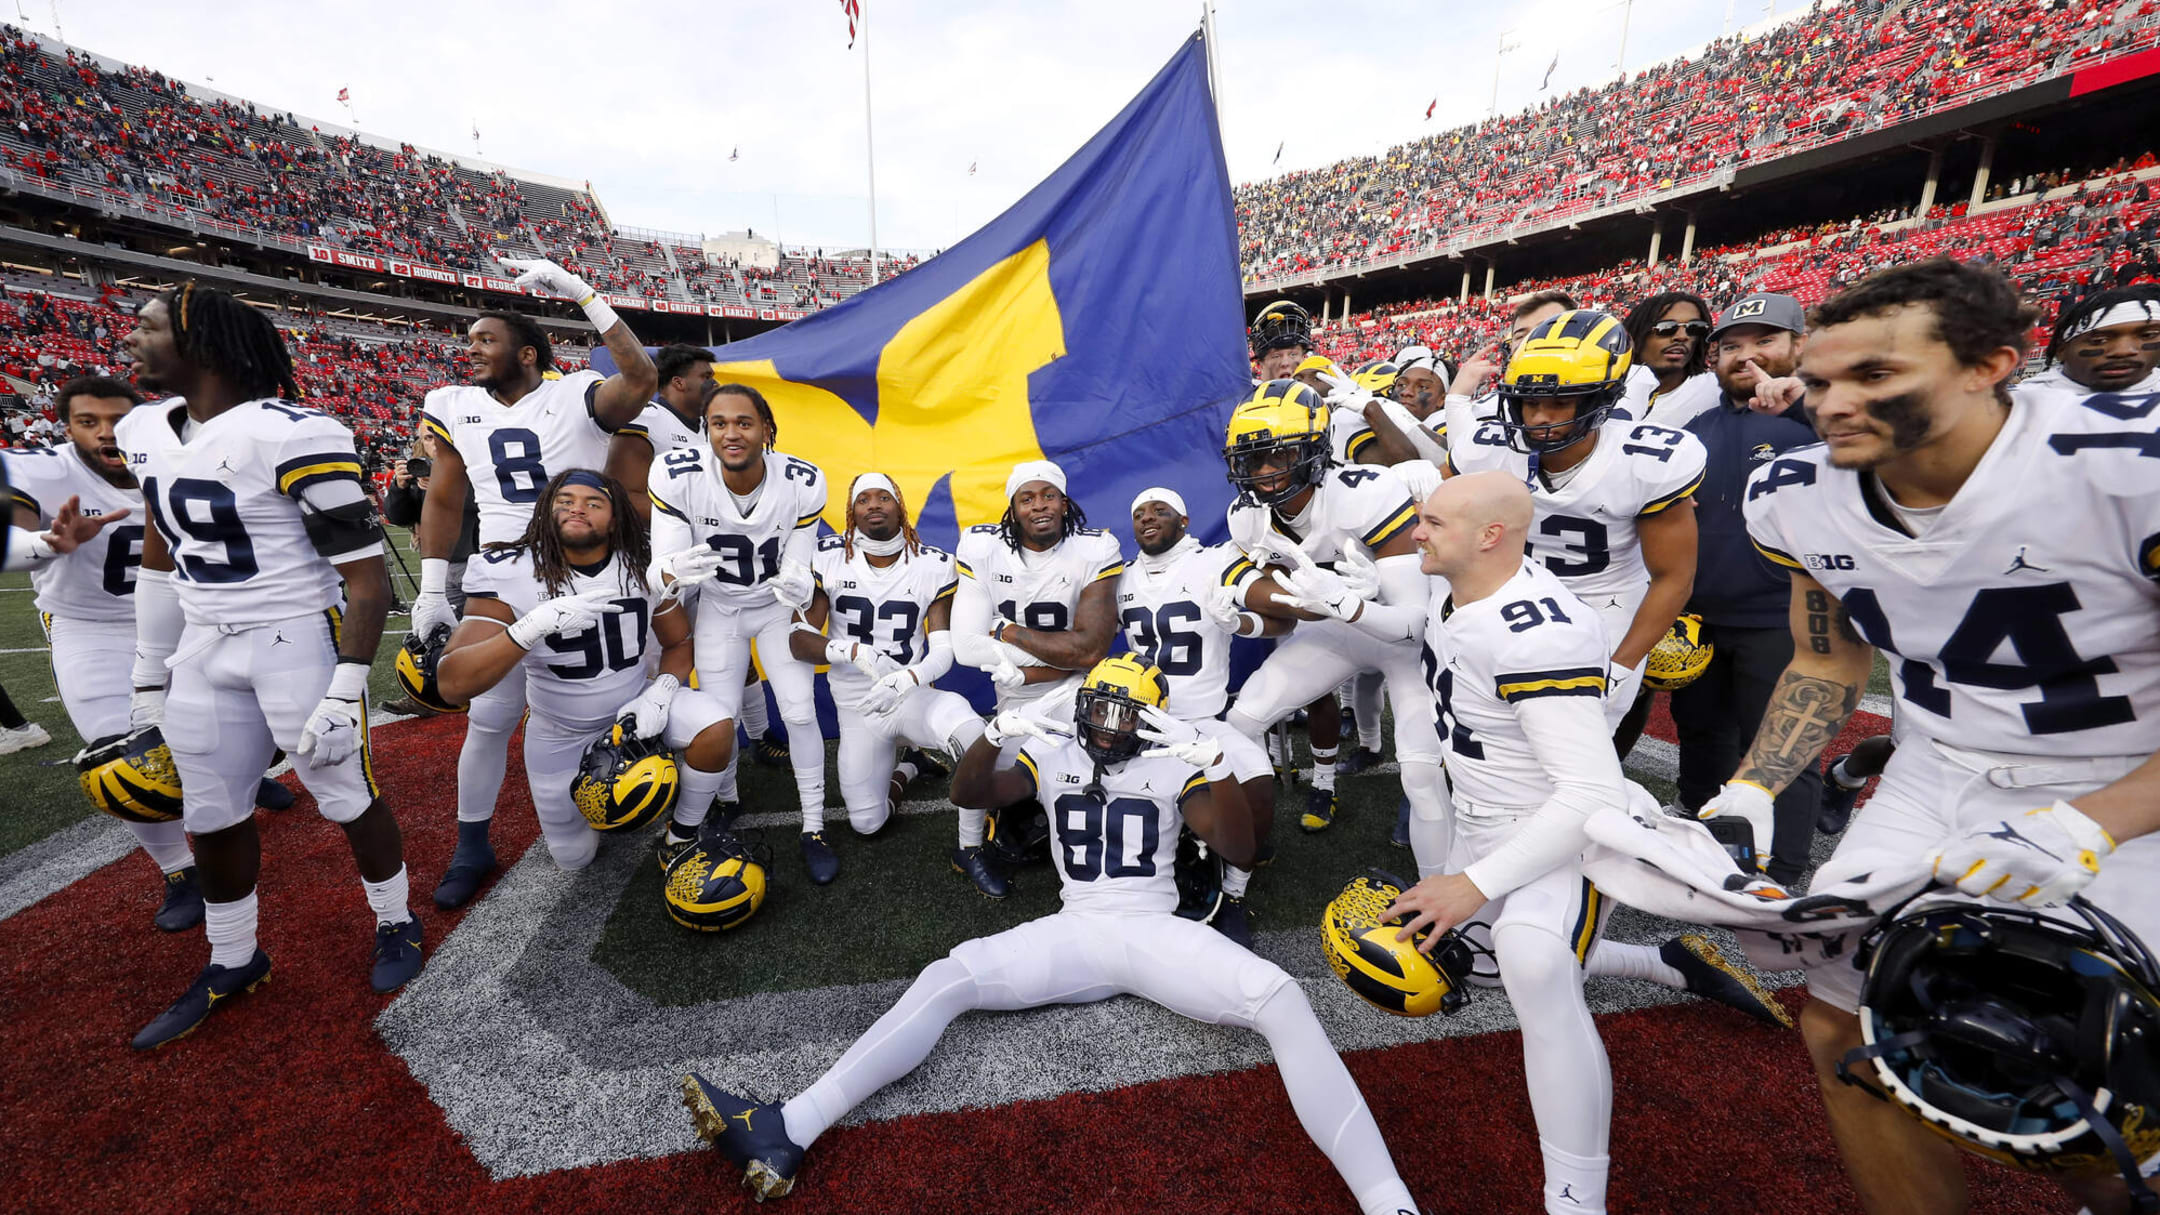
{"x":1117,"y":809}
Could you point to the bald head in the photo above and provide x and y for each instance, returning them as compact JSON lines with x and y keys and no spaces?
{"x":1473,"y":523}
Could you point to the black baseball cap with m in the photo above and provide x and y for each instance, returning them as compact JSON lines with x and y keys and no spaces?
{"x":1766,"y":308}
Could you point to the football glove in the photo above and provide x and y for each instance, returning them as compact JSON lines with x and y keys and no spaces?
{"x":1344,"y":392}
{"x":1320,"y":592}
{"x":146,"y":709}
{"x":1360,"y":574}
{"x":692,"y":565}
{"x":2039,"y":859}
{"x":793,"y":586}
{"x":1742,"y":816}
{"x":1015,"y":724}
{"x":648,"y":711}
{"x":332,"y":732}
{"x":888,"y":690}
{"x":874,"y":665}
{"x":1222,"y":607}
{"x":1178,"y":740}
{"x":431,"y":606}
{"x":569,"y":614}
{"x":545,"y":277}
{"x":1007,"y":674}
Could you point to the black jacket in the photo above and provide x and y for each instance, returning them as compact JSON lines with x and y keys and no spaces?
{"x":401,"y":508}
{"x":1736,"y":586}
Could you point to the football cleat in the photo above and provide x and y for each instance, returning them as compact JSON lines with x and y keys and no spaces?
{"x":1400,"y":836}
{"x":818,"y":858}
{"x":1233,"y":921}
{"x":927,"y":766}
{"x":714,"y":885}
{"x":271,"y":795}
{"x":214,"y":984}
{"x":1835,"y":809}
{"x":1359,"y":759}
{"x":183,"y":907}
{"x":461,"y":881}
{"x":1320,"y":809}
{"x":769,"y":751}
{"x":673,"y":845}
{"x":398,"y":955}
{"x":752,"y":1135}
{"x":980,"y":869}
{"x":1712,"y":977}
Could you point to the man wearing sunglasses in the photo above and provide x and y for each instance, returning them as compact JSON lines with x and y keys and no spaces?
{"x":1670,"y":382}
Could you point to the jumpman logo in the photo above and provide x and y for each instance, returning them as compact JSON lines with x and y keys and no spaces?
{"x":745,"y":1116}
{"x":2019,"y":562}
{"x":1567,"y":1191}
{"x":225,"y":467}
{"x":278,"y":638}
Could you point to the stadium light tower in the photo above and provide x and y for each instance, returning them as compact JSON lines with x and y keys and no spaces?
{"x":1506,"y":44}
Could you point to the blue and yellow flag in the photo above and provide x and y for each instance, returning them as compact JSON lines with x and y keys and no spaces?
{"x":1097,"y":323}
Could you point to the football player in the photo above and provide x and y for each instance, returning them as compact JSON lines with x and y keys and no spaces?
{"x":1518,"y":668}
{"x":675,"y":420}
{"x":569,"y":608}
{"x":1469,"y":399}
{"x":259,"y":519}
{"x":502,"y":438}
{"x":2108,"y":341}
{"x":2004,"y":559}
{"x":738,"y":519}
{"x":1281,"y":338}
{"x":1329,"y":547}
{"x":886,"y":598}
{"x":1387,"y":414}
{"x":1179,"y":618}
{"x":1118,"y":804}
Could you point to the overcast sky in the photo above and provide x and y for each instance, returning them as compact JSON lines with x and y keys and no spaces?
{"x":647,"y":99}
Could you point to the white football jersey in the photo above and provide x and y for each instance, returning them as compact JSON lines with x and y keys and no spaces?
{"x":226,"y":501}
{"x":1585,"y":528}
{"x":2026,"y":616}
{"x":1644,"y":402}
{"x":1117,"y":853}
{"x":692,"y":505}
{"x":1357,"y":506}
{"x":1529,"y":639}
{"x":96,"y":581}
{"x":665,"y":429}
{"x":1037,"y":590}
{"x":583,"y":678}
{"x":883,"y":608}
{"x":1159,"y":606}
{"x":512,"y":451}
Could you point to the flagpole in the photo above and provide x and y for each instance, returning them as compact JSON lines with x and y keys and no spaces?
{"x":1207,"y":41}
{"x":869,"y":145}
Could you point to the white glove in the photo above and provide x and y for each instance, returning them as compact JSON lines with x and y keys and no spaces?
{"x":1344,"y":392}
{"x":1360,"y":574}
{"x":1320,"y":592}
{"x":1007,"y":675}
{"x":569,"y":614}
{"x":431,"y":606}
{"x":1222,"y":607}
{"x":1178,"y":740}
{"x":332,"y":732}
{"x":1015,"y":723}
{"x":1742,"y":803}
{"x":545,"y":276}
{"x":793,"y":586}
{"x":146,"y":709}
{"x":889,"y":690}
{"x":648,"y":711}
{"x":692,"y":565}
{"x":864,"y":658}
{"x":2038,"y":860}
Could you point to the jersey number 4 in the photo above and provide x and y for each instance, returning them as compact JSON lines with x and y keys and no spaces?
{"x":2030,"y":620}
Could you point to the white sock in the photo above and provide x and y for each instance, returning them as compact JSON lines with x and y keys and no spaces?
{"x":480,"y":765}
{"x":1621,"y":960}
{"x":699,"y":787}
{"x":1328,"y":1103}
{"x":890,"y":1049}
{"x":753,"y":716}
{"x":971,"y":827}
{"x":165,"y":844}
{"x":905,"y":772}
{"x":806,"y":754}
{"x":1574,"y":1185}
{"x":1323,"y":768}
{"x":1235,"y":880}
{"x":1366,"y":697}
{"x":230,"y":928}
{"x":389,"y":900}
{"x":1844,"y":780}
{"x":1432,"y":815}
{"x":726,"y":790}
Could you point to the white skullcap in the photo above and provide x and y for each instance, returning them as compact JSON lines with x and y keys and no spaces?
{"x":1168,"y":497}
{"x":2128,"y":312}
{"x":1033,"y":470}
{"x":869,"y":481}
{"x":1414,"y":356}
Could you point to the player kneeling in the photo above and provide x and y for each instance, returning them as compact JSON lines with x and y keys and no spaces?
{"x":1116,"y":808}
{"x":569,"y":603}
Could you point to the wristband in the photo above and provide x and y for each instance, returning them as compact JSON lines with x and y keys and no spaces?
{"x":598,"y":312}
{"x":349,"y":681}
{"x":435,"y":576}
{"x":838,"y":651}
{"x":1219,"y":770}
{"x":1257,"y":622}
{"x":27,"y":550}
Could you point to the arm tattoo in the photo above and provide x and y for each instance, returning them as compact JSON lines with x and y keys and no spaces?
{"x":1805,"y":713}
{"x":1825,"y":614}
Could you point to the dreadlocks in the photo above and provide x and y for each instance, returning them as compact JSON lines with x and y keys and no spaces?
{"x":1647,"y":313}
{"x":907,"y":525}
{"x":2093,"y":305}
{"x":627,"y":539}
{"x":1009,"y":526}
{"x":238,"y":344}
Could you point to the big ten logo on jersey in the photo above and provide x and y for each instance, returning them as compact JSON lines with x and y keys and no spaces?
{"x":470,"y":419}
{"x":1827,"y":561}
{"x":1068,"y":778}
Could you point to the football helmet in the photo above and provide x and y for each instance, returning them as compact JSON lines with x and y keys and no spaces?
{"x":624,"y":781}
{"x":1388,"y":974}
{"x":1199,"y":878}
{"x":1680,"y":656}
{"x":1581,"y":357}
{"x":131,"y":776}
{"x":1279,"y":433}
{"x":1018,"y":834}
{"x":715,"y":884}
{"x":416,"y":662}
{"x":2017,"y":1036}
{"x":1280,"y":324}
{"x":1377,"y":378}
{"x":1107,"y":710}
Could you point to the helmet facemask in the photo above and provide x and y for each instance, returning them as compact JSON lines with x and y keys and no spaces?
{"x":1591,"y":410}
{"x":1299,"y":462}
{"x":1107,"y":722}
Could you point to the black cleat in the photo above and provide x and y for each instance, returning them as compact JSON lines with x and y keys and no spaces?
{"x":769,"y":751}
{"x":183,"y":907}
{"x":1359,"y":759}
{"x":1233,"y":922}
{"x":214,"y":984}
{"x":398,"y":956}
{"x":673,"y":845}
{"x":1400,"y":837}
{"x":724,"y":813}
{"x":752,"y":1135}
{"x":1835,"y":809}
{"x":818,"y":858}
{"x":468,"y":868}
{"x":980,"y":870}
{"x":271,"y":795}
{"x":927,"y":766}
{"x":1710,"y":976}
{"x":1319,"y":810}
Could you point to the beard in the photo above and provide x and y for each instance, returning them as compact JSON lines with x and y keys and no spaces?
{"x":1164,"y":541}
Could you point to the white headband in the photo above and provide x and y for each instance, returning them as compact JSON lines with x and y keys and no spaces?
{"x":869,"y":481}
{"x":1033,"y":470}
{"x":1413,"y":356}
{"x":2129,"y":312}
{"x":1168,"y":497}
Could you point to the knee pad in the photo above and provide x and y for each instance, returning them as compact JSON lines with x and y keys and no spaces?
{"x":1432,"y":816}
{"x":870,"y":820}
{"x":493,"y":714}
{"x":1245,"y":723}
{"x":1537,"y":967}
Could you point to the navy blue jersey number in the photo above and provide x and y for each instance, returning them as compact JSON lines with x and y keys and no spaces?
{"x":518,"y":470}
{"x":1042,"y":617}
{"x":1093,"y":836}
{"x":862,"y":619}
{"x":1452,"y":732}
{"x":209,"y":514}
{"x":123,"y":555}
{"x":1160,"y":642}
{"x":1591,"y":546}
{"x":615,"y":643}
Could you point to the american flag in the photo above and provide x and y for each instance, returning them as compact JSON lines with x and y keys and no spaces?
{"x":344,"y":95}
{"x":853,"y":9}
